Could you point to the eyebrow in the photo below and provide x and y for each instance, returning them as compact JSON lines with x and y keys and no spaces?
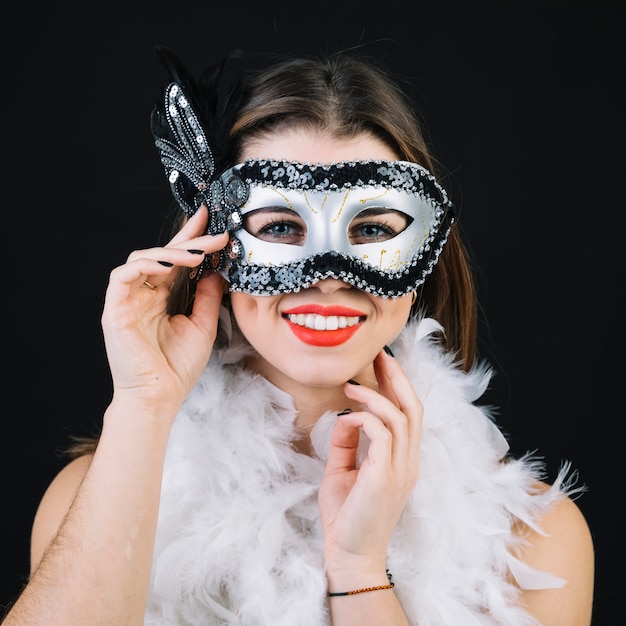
{"x":378,"y":211}
{"x":273,"y":209}
{"x":369,"y":212}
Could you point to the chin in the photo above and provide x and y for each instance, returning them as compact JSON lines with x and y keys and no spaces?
{"x":317,"y":377}
{"x":305,"y":372}
{"x":325,"y":374}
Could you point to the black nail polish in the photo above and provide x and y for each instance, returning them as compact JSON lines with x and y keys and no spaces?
{"x":195,"y":251}
{"x":353,"y":382}
{"x":345,"y":412}
{"x":387,"y":349}
{"x":166,"y":263}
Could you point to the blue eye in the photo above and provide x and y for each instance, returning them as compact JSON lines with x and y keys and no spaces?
{"x":279,"y":229}
{"x":276,"y":225}
{"x":377,"y":224}
{"x":373,"y":231}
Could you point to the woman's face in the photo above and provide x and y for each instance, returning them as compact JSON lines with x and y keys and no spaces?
{"x":330,"y":332}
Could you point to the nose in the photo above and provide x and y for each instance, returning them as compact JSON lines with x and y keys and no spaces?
{"x":331,"y":285}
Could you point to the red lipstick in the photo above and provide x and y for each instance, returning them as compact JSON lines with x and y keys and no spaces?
{"x":326,"y":326}
{"x":319,"y":309}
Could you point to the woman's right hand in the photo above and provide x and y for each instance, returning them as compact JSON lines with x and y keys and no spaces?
{"x":153,"y":356}
{"x":94,"y":531}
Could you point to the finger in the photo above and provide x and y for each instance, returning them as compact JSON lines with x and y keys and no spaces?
{"x":179,"y":254}
{"x":206,"y":305}
{"x":384,"y":383}
{"x":380,"y":450}
{"x":130,"y":276}
{"x":396,"y":386}
{"x":344,"y":444}
{"x":194,"y":227}
{"x":394,"y":383}
{"x":404,"y":422}
{"x":392,"y":460}
{"x":375,"y":402}
{"x":191,"y":254}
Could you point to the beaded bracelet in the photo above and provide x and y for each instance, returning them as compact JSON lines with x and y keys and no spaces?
{"x":351,"y":593}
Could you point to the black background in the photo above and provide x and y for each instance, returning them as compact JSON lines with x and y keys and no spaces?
{"x":524,"y":105}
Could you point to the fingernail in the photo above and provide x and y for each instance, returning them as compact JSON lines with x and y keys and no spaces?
{"x":387,"y":349}
{"x":345,"y":412}
{"x":166,"y":263}
{"x":353,"y":382}
{"x":195,"y":251}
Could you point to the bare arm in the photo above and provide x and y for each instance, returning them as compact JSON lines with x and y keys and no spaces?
{"x":94,"y":532}
{"x":93,"y":535}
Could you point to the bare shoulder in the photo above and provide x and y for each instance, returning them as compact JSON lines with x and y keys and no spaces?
{"x":565,"y":534}
{"x":54,"y":505}
{"x":564,"y":548}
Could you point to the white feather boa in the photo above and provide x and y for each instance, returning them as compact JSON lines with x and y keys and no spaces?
{"x":239,"y":539}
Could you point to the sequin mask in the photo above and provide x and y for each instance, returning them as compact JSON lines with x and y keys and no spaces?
{"x":377,"y":225}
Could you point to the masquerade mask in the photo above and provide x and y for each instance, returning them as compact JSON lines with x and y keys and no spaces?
{"x":377,"y":225}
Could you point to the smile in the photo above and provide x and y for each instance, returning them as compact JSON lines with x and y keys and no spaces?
{"x":322,"y":322}
{"x":325,"y":326}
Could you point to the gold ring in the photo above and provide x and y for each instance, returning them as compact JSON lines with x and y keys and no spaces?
{"x":147,"y":284}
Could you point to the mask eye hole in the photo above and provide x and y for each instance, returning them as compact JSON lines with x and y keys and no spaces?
{"x":376,"y":224}
{"x":276,"y":225}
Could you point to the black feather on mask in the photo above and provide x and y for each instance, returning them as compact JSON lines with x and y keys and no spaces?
{"x":190,"y":126}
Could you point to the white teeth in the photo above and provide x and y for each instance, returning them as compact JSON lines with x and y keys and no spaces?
{"x":323,"y":322}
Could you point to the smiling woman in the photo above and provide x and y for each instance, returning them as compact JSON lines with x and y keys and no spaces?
{"x":265,"y":459}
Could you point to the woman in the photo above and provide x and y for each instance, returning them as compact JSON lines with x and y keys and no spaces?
{"x":265,"y":458}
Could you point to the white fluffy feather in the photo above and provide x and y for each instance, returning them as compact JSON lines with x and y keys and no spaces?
{"x":239,"y":539}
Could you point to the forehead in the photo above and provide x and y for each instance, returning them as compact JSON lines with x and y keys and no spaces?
{"x":316,"y":146}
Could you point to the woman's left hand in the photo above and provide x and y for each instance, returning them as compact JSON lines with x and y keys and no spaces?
{"x":360,"y":506}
